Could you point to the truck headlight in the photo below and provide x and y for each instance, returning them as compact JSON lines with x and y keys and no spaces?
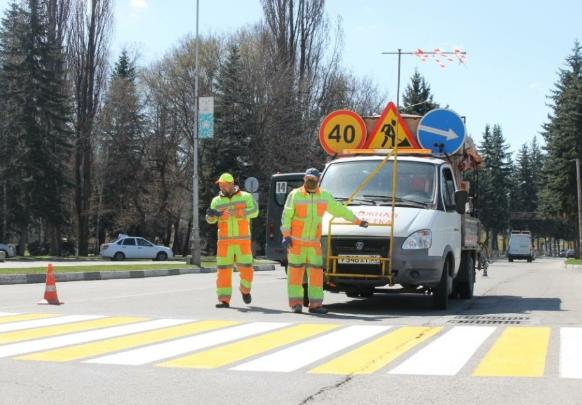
{"x":418,"y":240}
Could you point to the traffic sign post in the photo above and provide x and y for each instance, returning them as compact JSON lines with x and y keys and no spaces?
{"x":252,"y":184}
{"x":441,"y":131}
{"x":340,"y":130}
{"x":391,"y":130}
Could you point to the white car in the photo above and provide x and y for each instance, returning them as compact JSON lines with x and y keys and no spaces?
{"x":133,"y":247}
{"x":10,"y":250}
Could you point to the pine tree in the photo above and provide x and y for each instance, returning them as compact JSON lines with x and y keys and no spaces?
{"x":563,"y":141}
{"x":417,"y":98}
{"x":494,"y":183}
{"x":37,"y":112}
{"x":121,"y":153}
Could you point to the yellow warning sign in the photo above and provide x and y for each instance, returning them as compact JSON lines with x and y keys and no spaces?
{"x":391,"y":127}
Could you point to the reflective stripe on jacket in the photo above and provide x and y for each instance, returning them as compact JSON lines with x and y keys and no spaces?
{"x":303,"y":212}
{"x":237,"y":210}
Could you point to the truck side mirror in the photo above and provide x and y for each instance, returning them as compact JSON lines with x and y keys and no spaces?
{"x":461,"y":197}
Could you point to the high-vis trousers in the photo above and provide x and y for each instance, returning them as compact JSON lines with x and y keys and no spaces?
{"x":229,"y":253}
{"x":303,"y":259}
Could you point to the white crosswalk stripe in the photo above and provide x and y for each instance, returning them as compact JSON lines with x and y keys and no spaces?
{"x":447,"y":354}
{"x":174,"y":348}
{"x":83,"y":337}
{"x":571,"y":352}
{"x":303,"y":354}
{"x":37,"y":323}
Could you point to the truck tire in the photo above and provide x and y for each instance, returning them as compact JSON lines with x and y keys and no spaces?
{"x":465,"y":287}
{"x":440,"y":295}
{"x":529,"y":259}
{"x":510,"y":259}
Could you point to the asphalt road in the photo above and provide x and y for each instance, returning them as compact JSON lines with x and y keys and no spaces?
{"x":13,"y":264}
{"x":517,"y":342}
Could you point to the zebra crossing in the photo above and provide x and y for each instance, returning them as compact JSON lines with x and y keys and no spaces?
{"x":284,"y":347}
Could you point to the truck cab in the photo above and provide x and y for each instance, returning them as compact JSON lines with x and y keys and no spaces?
{"x":433,"y":243}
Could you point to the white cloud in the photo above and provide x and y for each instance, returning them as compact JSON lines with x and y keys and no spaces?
{"x":138,"y":4}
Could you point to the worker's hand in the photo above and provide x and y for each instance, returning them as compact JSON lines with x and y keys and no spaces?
{"x":211,"y":212}
{"x":363,"y":224}
{"x":286,"y":242}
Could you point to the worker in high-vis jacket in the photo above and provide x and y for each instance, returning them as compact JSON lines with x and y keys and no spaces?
{"x":301,"y":230}
{"x":232,"y":209}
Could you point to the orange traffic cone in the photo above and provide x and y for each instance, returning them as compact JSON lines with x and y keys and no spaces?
{"x":50,"y":291}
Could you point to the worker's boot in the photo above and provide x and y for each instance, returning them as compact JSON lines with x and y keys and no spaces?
{"x":318,"y":310}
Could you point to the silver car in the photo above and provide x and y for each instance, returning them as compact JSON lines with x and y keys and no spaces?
{"x":134,"y":247}
{"x":10,"y":250}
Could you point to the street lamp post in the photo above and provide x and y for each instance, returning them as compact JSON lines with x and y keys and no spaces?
{"x":195,"y":239}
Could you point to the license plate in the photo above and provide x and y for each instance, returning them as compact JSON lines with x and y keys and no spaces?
{"x":359,"y":259}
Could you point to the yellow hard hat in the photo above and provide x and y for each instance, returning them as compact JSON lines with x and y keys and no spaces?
{"x":225,"y":178}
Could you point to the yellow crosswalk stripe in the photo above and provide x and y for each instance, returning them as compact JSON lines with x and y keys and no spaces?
{"x":237,"y":351}
{"x":373,"y":356}
{"x":24,"y":317}
{"x":93,"y":349}
{"x":519,"y":352}
{"x":48,"y":331}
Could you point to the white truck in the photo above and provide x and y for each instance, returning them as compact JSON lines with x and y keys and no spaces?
{"x":435,"y":239}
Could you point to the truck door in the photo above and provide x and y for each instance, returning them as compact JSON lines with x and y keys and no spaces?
{"x":450,"y":224}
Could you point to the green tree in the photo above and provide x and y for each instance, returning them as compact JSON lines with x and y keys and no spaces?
{"x":494,"y":183}
{"x":121,"y":155}
{"x":417,"y":97}
{"x":37,"y":116}
{"x":563,"y":141}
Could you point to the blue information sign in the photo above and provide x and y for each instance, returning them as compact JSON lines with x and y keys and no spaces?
{"x":442,"y":131}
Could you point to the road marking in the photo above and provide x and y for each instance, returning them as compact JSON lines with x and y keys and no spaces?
{"x":53,"y":341}
{"x":303,"y":354}
{"x":519,"y":352}
{"x":38,"y":323}
{"x":48,"y":331}
{"x":231,"y":353}
{"x":373,"y":356}
{"x":571,"y":352}
{"x":447,"y":354}
{"x":175,"y":348}
{"x":151,"y":333}
{"x":8,"y":318}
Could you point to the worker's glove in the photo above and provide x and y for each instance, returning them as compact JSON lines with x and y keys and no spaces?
{"x":211,"y":212}
{"x":286,"y":242}
{"x":363,"y":224}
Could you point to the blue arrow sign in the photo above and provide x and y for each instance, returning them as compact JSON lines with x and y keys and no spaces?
{"x":442,"y":131}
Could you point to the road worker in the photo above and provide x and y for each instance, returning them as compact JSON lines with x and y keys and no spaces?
{"x":301,"y":230}
{"x":232,"y":209}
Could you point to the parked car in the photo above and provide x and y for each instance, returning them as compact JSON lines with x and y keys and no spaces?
{"x":562,"y":253}
{"x":134,"y":247}
{"x":9,"y":249}
{"x":571,"y":253}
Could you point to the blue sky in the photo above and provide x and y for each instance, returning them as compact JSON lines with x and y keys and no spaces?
{"x":514,"y":47}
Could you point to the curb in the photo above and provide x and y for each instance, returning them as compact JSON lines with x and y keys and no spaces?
{"x":573,"y":266}
{"x":111,"y":275}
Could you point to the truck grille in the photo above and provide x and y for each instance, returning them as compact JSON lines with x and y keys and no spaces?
{"x":359,"y":246}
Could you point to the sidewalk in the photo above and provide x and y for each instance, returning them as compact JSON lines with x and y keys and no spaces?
{"x":109,"y":275}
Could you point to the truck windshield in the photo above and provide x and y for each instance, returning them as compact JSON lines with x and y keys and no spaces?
{"x":416,"y":181}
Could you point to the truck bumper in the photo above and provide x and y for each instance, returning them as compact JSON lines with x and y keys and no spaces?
{"x":410,"y":267}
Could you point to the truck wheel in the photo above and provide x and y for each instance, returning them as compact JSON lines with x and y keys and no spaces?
{"x":529,"y":259}
{"x":440,"y":295}
{"x":465,"y":288}
{"x":510,"y":259}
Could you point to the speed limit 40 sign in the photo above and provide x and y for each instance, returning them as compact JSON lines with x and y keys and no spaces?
{"x":340,"y":130}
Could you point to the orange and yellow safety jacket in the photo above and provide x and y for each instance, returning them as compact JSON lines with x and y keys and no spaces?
{"x":303,"y":213}
{"x":236,"y":210}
